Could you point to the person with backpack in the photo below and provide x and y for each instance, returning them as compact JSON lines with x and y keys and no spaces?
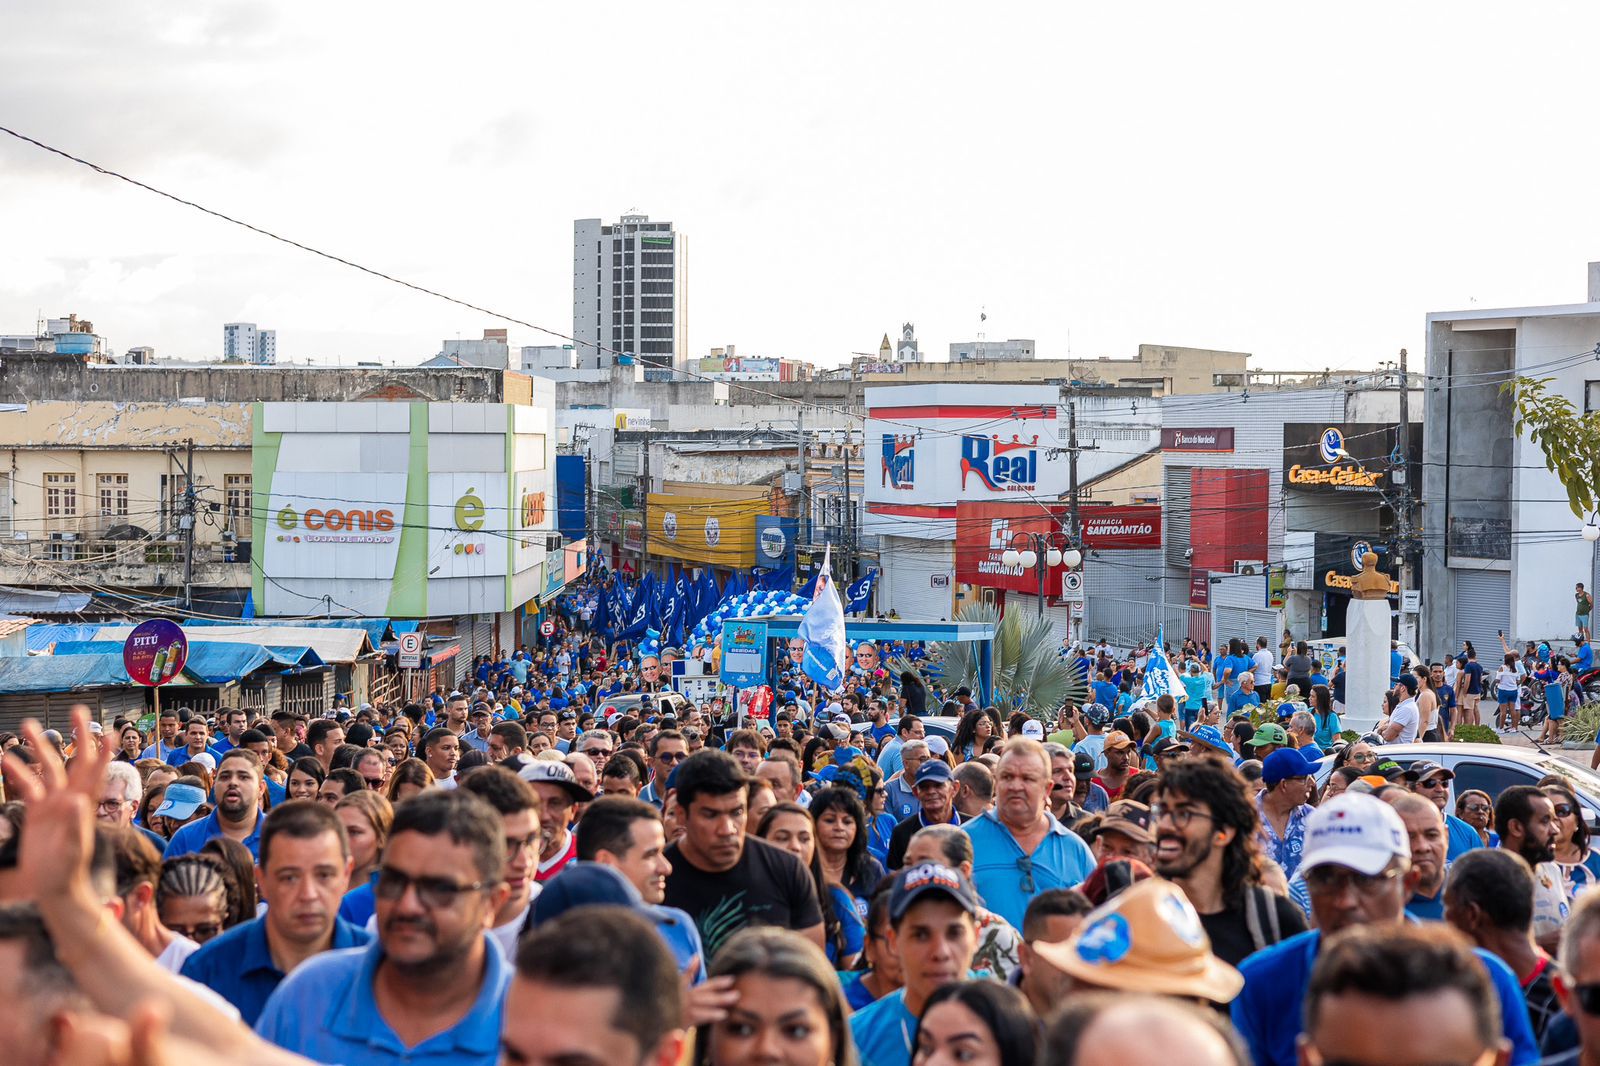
{"x":1208,"y":843}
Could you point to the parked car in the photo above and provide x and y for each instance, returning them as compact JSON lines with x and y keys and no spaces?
{"x":667,"y":702}
{"x":1493,"y":768}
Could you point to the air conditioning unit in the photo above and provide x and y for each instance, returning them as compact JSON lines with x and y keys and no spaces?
{"x":1249,"y":567}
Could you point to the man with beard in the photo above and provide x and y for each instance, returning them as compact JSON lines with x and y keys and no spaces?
{"x":1425,"y":832}
{"x":305,"y":869}
{"x":431,"y":988}
{"x":1525,"y":818}
{"x":1119,"y":754}
{"x":518,"y":806}
{"x":1206,"y":843}
{"x":236,"y":791}
{"x":1357,"y":867}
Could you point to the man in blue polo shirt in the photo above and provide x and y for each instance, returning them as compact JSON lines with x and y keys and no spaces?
{"x":1357,"y":867}
{"x":1019,"y":848}
{"x":196,"y":741}
{"x":431,"y":988}
{"x":237,"y":792}
{"x":305,"y":867}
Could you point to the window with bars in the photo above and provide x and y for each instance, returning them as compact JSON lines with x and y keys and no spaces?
{"x":237,"y":490}
{"x":112,"y":490}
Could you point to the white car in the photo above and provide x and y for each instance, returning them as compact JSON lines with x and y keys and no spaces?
{"x":1493,"y":768}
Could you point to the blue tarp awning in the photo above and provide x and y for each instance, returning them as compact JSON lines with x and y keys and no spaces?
{"x":378,"y":629}
{"x":41,"y":636}
{"x":61,"y":673}
{"x":212,"y":663}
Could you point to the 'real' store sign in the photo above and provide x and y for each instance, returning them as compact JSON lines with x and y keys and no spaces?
{"x":939,"y":446}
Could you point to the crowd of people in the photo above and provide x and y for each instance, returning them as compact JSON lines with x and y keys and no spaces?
{"x":561,"y":862}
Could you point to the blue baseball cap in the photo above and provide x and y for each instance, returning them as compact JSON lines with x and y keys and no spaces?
{"x":932,"y":770}
{"x":180,"y":801}
{"x":1284,"y":763}
{"x":1211,"y":737}
{"x":582,"y":884}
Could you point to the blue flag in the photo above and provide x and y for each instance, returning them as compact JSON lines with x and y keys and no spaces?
{"x":735,"y":586}
{"x":810,"y":588}
{"x":779,"y":580}
{"x":1160,"y":679}
{"x":858,"y":594}
{"x":822,"y":628}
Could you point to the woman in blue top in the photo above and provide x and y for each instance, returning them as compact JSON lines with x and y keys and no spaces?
{"x":789,"y":826}
{"x":1328,"y":725}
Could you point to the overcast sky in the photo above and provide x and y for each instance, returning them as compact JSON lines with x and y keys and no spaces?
{"x":1303,"y":182}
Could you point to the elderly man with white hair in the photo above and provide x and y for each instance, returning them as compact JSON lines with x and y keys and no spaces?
{"x":120,"y":794}
{"x":1303,"y":730}
{"x":900,"y":797}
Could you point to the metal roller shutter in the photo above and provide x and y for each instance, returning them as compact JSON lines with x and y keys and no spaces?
{"x":1246,"y":623}
{"x":909,"y":573}
{"x":1175,"y":512}
{"x":1483,"y":609}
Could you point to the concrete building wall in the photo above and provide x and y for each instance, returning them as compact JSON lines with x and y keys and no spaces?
{"x":1167,"y":369}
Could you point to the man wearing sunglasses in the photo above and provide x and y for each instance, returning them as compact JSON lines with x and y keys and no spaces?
{"x":668,"y":748}
{"x":1432,"y":782}
{"x":1357,"y":867}
{"x":431,"y":988}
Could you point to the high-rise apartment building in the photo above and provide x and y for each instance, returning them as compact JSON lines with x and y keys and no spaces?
{"x":244,"y":342}
{"x":630,"y":292}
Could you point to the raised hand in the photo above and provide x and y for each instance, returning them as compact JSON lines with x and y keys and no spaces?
{"x":53,"y":859}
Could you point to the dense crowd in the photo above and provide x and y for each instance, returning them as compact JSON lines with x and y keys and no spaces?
{"x":565,"y":862}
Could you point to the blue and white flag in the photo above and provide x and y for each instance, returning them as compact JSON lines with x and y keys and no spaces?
{"x":858,"y":594}
{"x":822,"y":628}
{"x":1160,"y":679}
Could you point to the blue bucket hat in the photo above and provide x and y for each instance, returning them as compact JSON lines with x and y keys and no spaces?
{"x":1211,"y":737}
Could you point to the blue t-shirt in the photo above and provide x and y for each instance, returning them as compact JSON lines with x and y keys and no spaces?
{"x":1585,"y":657}
{"x":854,"y":930}
{"x":194,"y":836}
{"x":856,"y":993}
{"x":1105,"y":694}
{"x":1397,"y":663}
{"x":326,"y":1011}
{"x":1241,"y":699}
{"x":1269,"y":1011}
{"x":882,"y":1031}
{"x":238,"y":964}
{"x":1460,"y":837}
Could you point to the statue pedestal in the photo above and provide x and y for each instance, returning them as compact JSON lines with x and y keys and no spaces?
{"x":1367,"y":647}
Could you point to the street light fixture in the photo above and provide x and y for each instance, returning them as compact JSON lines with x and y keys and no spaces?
{"x":1055,"y":547}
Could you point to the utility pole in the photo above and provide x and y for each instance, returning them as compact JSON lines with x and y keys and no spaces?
{"x":186,"y":523}
{"x":802,"y":523}
{"x":1401,"y":476}
{"x":644,"y":510}
{"x":1072,"y":467}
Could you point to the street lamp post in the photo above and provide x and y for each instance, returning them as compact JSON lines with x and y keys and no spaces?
{"x":1049,"y":549}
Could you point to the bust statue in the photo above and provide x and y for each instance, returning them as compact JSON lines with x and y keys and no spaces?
{"x":1370,"y":584}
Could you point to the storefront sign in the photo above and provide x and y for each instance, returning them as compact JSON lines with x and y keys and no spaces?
{"x":1001,"y":465}
{"x":744,"y":653}
{"x":983,"y":533}
{"x":1199,"y":588}
{"x":1277,"y":588}
{"x":899,"y":461}
{"x":775,"y":542}
{"x":1219,"y":439}
{"x":1345,"y":456}
{"x":1121,"y":528}
{"x":1338,"y":558}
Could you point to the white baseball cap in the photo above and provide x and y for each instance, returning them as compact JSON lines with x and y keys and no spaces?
{"x":937,"y":745}
{"x":1355,"y":830}
{"x":1032,"y":728}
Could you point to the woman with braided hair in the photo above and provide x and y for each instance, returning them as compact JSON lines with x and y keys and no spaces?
{"x":192,"y":896}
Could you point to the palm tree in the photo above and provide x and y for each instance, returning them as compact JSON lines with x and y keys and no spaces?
{"x":1029,"y":673}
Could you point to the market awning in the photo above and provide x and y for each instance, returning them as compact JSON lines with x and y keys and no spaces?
{"x":341,"y":646}
{"x":33,"y":602}
{"x":65,"y":673}
{"x":214,"y":663}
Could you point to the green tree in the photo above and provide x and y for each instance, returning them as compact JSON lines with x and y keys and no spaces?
{"x":1028,"y":671}
{"x":1569,"y":439}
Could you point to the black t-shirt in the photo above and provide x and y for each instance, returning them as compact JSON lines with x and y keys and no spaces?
{"x":1229,"y":929}
{"x":900,"y":838}
{"x":768,"y":886}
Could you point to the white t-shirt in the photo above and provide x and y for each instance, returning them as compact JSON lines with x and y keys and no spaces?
{"x":1262,"y":665}
{"x":173,"y":955}
{"x":506,"y":934}
{"x":1506,"y":679}
{"x":1406,"y":714}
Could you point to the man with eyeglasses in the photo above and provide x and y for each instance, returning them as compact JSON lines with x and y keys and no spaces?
{"x":1403,"y":996}
{"x":1019,"y":848}
{"x":518,"y":806}
{"x":1577,"y":983}
{"x":1432,"y":782}
{"x":1205,"y":843}
{"x":304,"y":871}
{"x":1357,"y":868}
{"x":599,"y":745}
{"x":560,"y":795}
{"x":668,"y":748}
{"x":431,"y":988}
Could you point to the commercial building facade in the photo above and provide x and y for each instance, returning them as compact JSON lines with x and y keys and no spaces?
{"x":630,"y":292}
{"x":1502,"y":548}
